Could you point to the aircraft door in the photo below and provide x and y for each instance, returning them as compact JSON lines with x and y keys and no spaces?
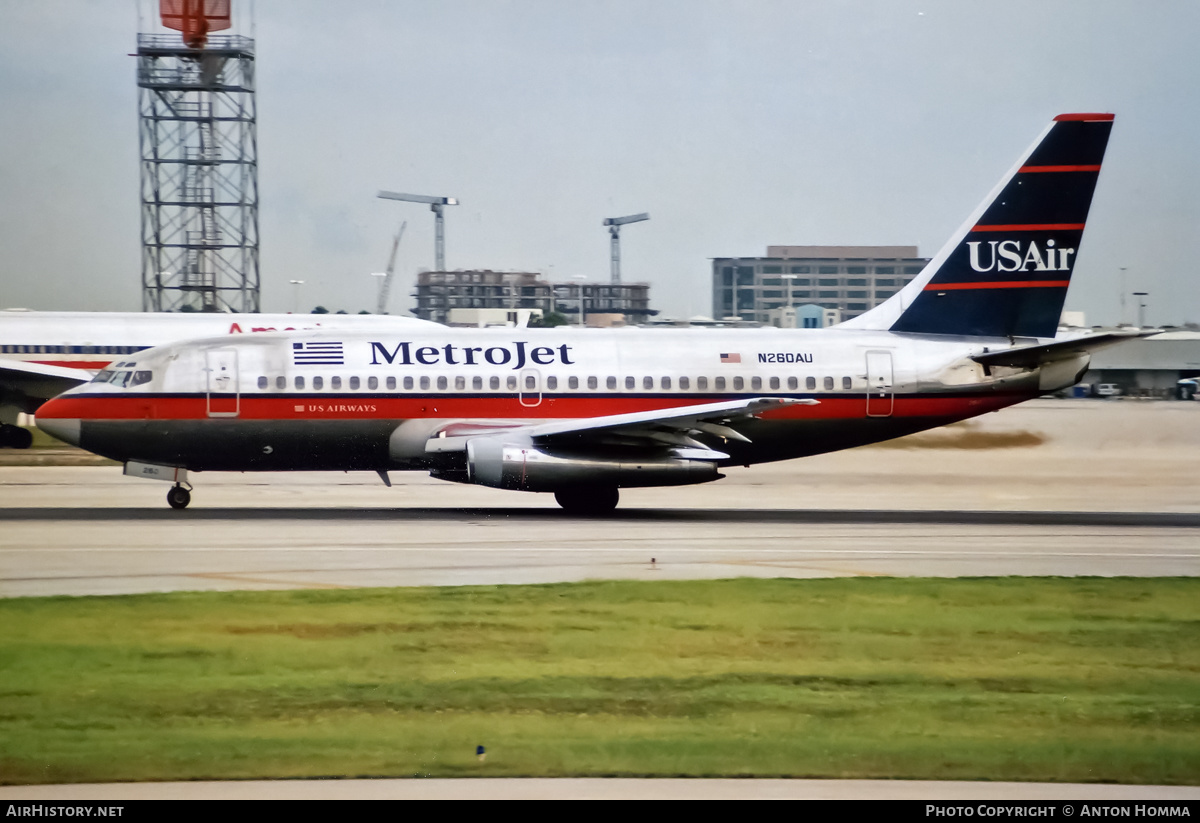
{"x":529,"y":388}
{"x":880,"y":397}
{"x":221,"y":374}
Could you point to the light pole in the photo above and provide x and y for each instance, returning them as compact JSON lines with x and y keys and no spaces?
{"x":1141,"y":307}
{"x":296,"y":295}
{"x":579,"y":278}
{"x":1122,"y":322}
{"x":379,"y":292}
{"x":789,"y":278}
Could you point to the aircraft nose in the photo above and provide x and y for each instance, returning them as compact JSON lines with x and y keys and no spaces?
{"x":48,"y":419}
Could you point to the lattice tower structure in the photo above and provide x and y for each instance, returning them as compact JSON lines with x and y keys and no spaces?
{"x":199,"y":174}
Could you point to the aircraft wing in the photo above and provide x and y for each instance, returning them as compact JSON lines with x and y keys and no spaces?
{"x":28,"y":385}
{"x":661,"y":427}
{"x":1034,"y":356}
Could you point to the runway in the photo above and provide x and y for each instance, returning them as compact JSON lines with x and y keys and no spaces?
{"x":118,"y":551}
{"x":1109,"y":489}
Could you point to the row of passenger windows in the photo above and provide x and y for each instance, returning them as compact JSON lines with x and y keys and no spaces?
{"x":22,"y":349}
{"x":573,"y":383}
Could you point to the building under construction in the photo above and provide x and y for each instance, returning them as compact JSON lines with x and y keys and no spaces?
{"x":439,"y":292}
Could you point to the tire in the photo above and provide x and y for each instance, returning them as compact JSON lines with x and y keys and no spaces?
{"x":588,"y":500}
{"x":179,"y":497}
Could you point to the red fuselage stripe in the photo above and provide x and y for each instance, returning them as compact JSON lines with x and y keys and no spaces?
{"x":1032,"y":227}
{"x":131,"y":407}
{"x":1028,"y":169}
{"x":1001,"y":284}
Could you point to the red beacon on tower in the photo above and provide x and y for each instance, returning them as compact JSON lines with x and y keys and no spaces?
{"x":195,"y":18}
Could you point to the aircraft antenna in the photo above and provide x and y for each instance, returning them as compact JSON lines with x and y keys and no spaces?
{"x":614,"y":229}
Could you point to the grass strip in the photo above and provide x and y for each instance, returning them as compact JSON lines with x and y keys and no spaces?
{"x":1059,"y":679}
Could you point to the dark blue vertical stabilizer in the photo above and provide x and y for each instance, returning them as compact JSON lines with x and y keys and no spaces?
{"x":1007,"y":273}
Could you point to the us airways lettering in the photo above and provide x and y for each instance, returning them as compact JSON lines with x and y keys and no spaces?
{"x":1007,"y":255}
{"x":784,"y":357}
{"x":342,"y":407}
{"x":519,"y":354}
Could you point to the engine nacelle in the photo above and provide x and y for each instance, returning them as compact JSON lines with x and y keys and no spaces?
{"x":524,"y":467}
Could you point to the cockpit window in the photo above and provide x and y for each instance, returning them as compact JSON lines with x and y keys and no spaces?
{"x":140,"y":377}
{"x":120,"y":378}
{"x":104,"y":376}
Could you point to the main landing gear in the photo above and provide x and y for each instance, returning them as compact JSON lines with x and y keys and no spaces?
{"x":15,"y":437}
{"x":179,"y":497}
{"x":588,"y":500}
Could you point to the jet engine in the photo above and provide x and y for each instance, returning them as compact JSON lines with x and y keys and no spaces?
{"x":526,"y":467}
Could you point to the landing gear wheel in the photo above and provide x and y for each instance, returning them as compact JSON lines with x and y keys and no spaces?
{"x":15,"y":437}
{"x":587,"y":500}
{"x":179,"y":497}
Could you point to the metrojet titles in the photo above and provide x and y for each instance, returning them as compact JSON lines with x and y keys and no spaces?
{"x":1007,"y":255}
{"x":519,"y":353}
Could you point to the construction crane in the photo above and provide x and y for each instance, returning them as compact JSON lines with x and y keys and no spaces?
{"x":436,"y":205}
{"x":386,"y":284}
{"x":614,"y":228}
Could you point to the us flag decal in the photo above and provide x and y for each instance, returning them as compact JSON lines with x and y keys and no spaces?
{"x":319,"y":353}
{"x":731,"y":358}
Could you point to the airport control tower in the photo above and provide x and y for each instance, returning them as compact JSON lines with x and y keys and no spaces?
{"x":199,"y":164}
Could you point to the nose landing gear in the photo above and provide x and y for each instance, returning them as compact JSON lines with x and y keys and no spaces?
{"x":179,"y":497}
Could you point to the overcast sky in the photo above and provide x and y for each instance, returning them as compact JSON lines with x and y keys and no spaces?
{"x":737,"y":125}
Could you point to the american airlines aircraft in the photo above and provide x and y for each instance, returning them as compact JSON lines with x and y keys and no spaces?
{"x":45,"y":353}
{"x":583,"y":413}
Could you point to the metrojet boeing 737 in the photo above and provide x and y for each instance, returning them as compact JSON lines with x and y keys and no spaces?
{"x":583,"y":413}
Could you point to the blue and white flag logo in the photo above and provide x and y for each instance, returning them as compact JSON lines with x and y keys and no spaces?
{"x":317,"y":354}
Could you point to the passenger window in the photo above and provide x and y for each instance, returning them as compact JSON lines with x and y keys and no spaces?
{"x":719,"y":383}
{"x":647,"y":382}
{"x":846,"y":383}
{"x":572,"y":382}
{"x":262,"y":381}
{"x":666,"y":382}
{"x":774,"y":382}
{"x":611,"y":383}
{"x":494,"y":383}
{"x":552,"y":383}
{"x":511,"y":382}
{"x":372,"y":382}
{"x":810,"y":383}
{"x":460,"y":383}
{"x":408,"y":384}
{"x":335,"y":382}
{"x":299,"y":382}
{"x":530,"y":382}
{"x":593,"y":383}
{"x":354,"y":382}
{"x":684,"y":384}
{"x":756,"y":383}
{"x":476,"y":382}
{"x":702,"y":383}
{"x":424,"y":382}
{"x":318,"y":383}
{"x":281,"y":382}
{"x":391,"y":383}
{"x":442,"y":383}
{"x":828,"y":384}
{"x":793,"y":383}
{"x":630,"y":382}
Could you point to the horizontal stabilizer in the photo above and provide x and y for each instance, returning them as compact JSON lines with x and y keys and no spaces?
{"x":1033,"y":356}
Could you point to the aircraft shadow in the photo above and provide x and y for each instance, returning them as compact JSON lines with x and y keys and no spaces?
{"x":1185,"y":520}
